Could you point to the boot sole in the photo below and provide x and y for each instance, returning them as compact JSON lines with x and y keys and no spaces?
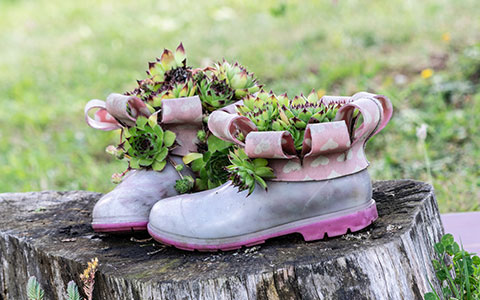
{"x":120,"y":227}
{"x":312,"y":229}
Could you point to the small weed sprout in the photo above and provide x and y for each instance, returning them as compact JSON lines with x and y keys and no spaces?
{"x":35,"y":291}
{"x":88,"y":278}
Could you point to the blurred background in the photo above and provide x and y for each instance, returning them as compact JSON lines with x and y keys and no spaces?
{"x":424,"y":55}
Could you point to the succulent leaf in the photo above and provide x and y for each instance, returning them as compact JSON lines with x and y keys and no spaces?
{"x":191,"y":157}
{"x":141,"y":121}
{"x":169,"y":138}
{"x":159,"y":165}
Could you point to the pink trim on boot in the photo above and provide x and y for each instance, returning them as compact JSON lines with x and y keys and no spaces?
{"x":315,"y":231}
{"x":120,"y":227}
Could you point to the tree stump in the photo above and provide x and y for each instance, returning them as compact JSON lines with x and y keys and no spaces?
{"x":48,"y":235}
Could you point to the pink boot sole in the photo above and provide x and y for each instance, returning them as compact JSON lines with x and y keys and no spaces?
{"x":120,"y":227}
{"x":317,"y":230}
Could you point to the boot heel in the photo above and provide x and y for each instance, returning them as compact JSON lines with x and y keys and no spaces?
{"x":339,"y":225}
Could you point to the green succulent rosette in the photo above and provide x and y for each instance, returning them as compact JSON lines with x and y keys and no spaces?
{"x":246,"y":172}
{"x":210,"y":166}
{"x":147,"y":144}
{"x":213,"y":92}
{"x":237,"y":78}
{"x":184,"y":185}
{"x":168,"y":77}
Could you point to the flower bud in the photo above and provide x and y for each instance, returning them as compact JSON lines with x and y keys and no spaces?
{"x":116,"y":178}
{"x":111,"y":149}
{"x":201,"y":135}
{"x":117,"y":152}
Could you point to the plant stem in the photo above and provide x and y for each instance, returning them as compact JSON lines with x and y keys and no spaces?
{"x":427,"y":162}
{"x":450,"y":279}
{"x":174,"y":164}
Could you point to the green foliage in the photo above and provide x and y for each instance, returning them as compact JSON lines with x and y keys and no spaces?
{"x":34,"y":290}
{"x":457,"y":271}
{"x":185,"y":184}
{"x":147,"y":144}
{"x":72,"y":291}
{"x":278,"y":113}
{"x":210,"y":166}
{"x":246,"y":173}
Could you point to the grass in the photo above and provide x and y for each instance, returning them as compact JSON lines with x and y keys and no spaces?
{"x":56,"y":55}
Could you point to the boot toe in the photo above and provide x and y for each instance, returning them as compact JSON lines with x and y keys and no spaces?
{"x":166,"y":216}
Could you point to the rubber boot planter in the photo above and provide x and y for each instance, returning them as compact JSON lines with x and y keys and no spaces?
{"x":323,"y":191}
{"x":127,"y":207}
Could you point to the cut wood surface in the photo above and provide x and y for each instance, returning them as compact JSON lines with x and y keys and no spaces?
{"x":48,"y":235}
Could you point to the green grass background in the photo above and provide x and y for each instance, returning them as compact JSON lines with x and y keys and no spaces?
{"x":56,"y":55}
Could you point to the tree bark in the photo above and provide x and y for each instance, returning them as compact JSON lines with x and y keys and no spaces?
{"x":48,"y":235}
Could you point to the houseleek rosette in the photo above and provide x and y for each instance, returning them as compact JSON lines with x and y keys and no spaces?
{"x":237,"y":78}
{"x":246,"y":172}
{"x":211,"y":164}
{"x":167,"y":76}
{"x":213,"y":92}
{"x":270,"y":112}
{"x":147,"y":144}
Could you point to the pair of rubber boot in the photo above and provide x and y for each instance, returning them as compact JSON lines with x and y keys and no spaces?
{"x":325,"y":192}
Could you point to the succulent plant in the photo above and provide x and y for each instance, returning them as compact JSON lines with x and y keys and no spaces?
{"x":270,"y":112}
{"x":262,"y":109}
{"x":210,"y":166}
{"x":246,"y":173}
{"x":303,"y":110}
{"x":237,"y":78}
{"x":184,"y":185}
{"x":217,"y":86}
{"x":147,"y":144}
{"x":170,"y":69}
{"x":213,"y":92}
{"x":168,"y":77}
{"x":178,"y":90}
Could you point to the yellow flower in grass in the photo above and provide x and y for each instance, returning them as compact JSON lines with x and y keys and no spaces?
{"x":446,"y":37}
{"x":426,"y":73}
